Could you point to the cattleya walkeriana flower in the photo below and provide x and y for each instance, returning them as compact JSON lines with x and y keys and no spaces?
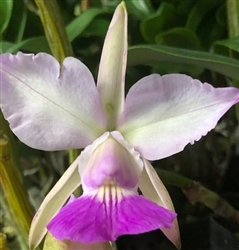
{"x":53,"y":107}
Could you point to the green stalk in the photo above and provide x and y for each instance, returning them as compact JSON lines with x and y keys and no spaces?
{"x":233,"y":31}
{"x":73,"y":153}
{"x":54,"y":29}
{"x":11,"y":183}
{"x":3,"y":242}
{"x":4,"y":129}
{"x":233,"y":18}
{"x":197,"y":193}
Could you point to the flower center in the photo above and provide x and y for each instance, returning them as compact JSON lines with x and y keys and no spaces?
{"x":112,"y":193}
{"x":109,"y":165}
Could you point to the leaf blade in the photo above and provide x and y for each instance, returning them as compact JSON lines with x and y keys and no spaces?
{"x":149,"y":54}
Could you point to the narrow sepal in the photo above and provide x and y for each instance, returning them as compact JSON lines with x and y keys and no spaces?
{"x":153,"y":188}
{"x":55,"y":199}
{"x":112,"y":66}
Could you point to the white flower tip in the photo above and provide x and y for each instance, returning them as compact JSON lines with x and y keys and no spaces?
{"x":122,"y":5}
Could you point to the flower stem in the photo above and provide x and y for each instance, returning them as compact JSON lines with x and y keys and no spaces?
{"x":73,"y":153}
{"x":233,"y":31}
{"x":233,"y":18}
{"x":54,"y":29}
{"x":3,"y":242}
{"x":15,"y":194}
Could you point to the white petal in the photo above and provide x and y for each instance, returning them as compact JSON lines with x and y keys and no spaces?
{"x":49,"y":107}
{"x":163,"y":114}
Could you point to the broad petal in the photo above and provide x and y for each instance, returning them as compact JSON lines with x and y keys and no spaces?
{"x":112,"y":67}
{"x":153,"y":188}
{"x":47,"y":107}
{"x":163,"y":114}
{"x":110,"y":158}
{"x":106,"y":215}
{"x":55,"y":199}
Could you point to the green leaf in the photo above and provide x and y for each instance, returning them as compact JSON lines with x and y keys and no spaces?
{"x":180,"y":38}
{"x":5,"y":14}
{"x":35,"y":44}
{"x":97,"y":27}
{"x":16,"y":26}
{"x":200,"y":9}
{"x":141,"y":9}
{"x":221,"y":16}
{"x":155,"y":23}
{"x":39,"y":44}
{"x":151,"y":54}
{"x":170,"y":68}
{"x":78,"y":25}
{"x":5,"y":46}
{"x":232,"y":43}
{"x":184,"y":8}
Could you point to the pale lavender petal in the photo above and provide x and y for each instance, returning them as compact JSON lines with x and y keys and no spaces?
{"x":163,"y":114}
{"x":112,"y":67}
{"x":49,"y":107}
{"x":110,"y":158}
{"x":91,"y":219}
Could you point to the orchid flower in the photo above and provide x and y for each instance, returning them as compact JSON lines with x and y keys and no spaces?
{"x":57,"y":107}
